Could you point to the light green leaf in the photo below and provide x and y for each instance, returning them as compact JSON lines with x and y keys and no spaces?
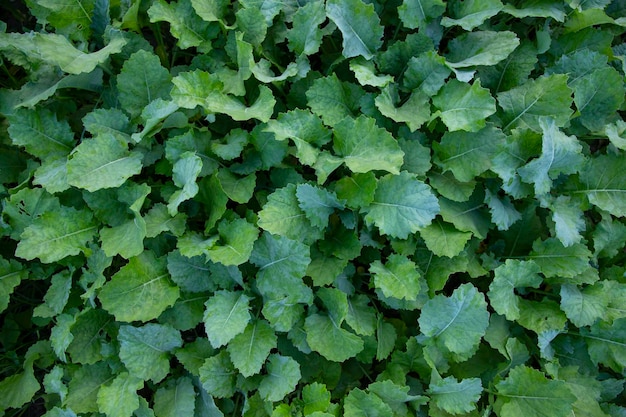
{"x":145,"y":350}
{"x":468,"y":154}
{"x":361,"y":317}
{"x":283,"y":312}
{"x":175,"y":399}
{"x":332,"y":99}
{"x":283,"y":375}
{"x":537,"y":8}
{"x":366,"y":147}
{"x":584,"y":307}
{"x":282,"y":264}
{"x":418,"y":13}
{"x":317,"y":203}
{"x":218,"y":375}
{"x":455,"y":323}
{"x":472,"y":13}
{"x":159,"y":221}
{"x":503,"y":212}
{"x":556,"y":260}
{"x":604,"y":183}
{"x":185,"y":173}
{"x":239,"y":189}
{"x":236,"y":242}
{"x":462,"y":106}
{"x":509,"y":276}
{"x":71,"y":17}
{"x":443,"y":239}
{"x":569,"y":220}
{"x":528,"y":392}
{"x":282,"y":216}
{"x":545,"y":96}
{"x":125,"y":239}
{"x":315,"y":397}
{"x":560,"y":154}
{"x":210,"y":10}
{"x":359,"y":25}
{"x":57,"y":295}
{"x":140,"y":290}
{"x":481,"y":48}
{"x":227,"y":314}
{"x":455,"y":397}
{"x":120,"y":398}
{"x":191,"y":274}
{"x":11,"y":274}
{"x":365,"y":73}
{"x":427,"y":72}
{"x":249,"y":350}
{"x":414,"y":111}
{"x":399,"y":277}
{"x":112,"y":121}
{"x":102,"y":162}
{"x":189,"y":28}
{"x":330,"y":340}
{"x":251,"y":22}
{"x":386,"y":336}
{"x":18,"y":389}
{"x":56,"y":234}
{"x":41,"y":133}
{"x":305,"y":37}
{"x":542,"y":316}
{"x":358,"y":403}
{"x":402,"y":204}
{"x":142,"y":80}
{"x":598,"y":97}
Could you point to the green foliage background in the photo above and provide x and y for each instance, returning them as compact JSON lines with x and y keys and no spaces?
{"x":312,"y":208}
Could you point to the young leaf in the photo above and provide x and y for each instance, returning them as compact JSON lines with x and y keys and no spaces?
{"x":236,"y":242}
{"x":606,"y":343}
{"x":11,"y":274}
{"x":120,"y":398}
{"x":227,"y":315}
{"x":427,"y":72}
{"x":556,"y":260}
{"x":330,"y":340}
{"x":283,"y":375}
{"x":175,"y":399}
{"x":185,"y":172}
{"x":218,"y":375}
{"x":57,"y":295}
{"x":402,"y":204}
{"x":398,"y":278}
{"x":360,"y":403}
{"x":305,"y":37}
{"x":249,"y":350}
{"x":584,"y":307}
{"x":185,"y":24}
{"x":507,"y":277}
{"x":359,"y":25}
{"x":414,"y":112}
{"x":418,"y":13}
{"x":443,"y":239}
{"x":456,"y":397}
{"x":315,"y":397}
{"x":83,"y":388}
{"x":472,"y":13}
{"x":318,"y":204}
{"x":145,"y":350}
{"x":140,"y":290}
{"x":333,"y":99}
{"x":462,"y":106}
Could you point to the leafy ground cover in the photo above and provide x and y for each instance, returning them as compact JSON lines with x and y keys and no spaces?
{"x":312,"y":208}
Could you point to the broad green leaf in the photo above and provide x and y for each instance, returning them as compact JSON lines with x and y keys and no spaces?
{"x":468,"y":154}
{"x":142,"y":80}
{"x":102,"y":162}
{"x":358,"y":189}
{"x":481,"y":48}
{"x":315,"y":397}
{"x":88,"y":336}
{"x":418,"y":13}
{"x":386,"y":336}
{"x":456,"y":323}
{"x":560,"y":154}
{"x":236,"y":242}
{"x":120,"y":398}
{"x":455,"y":397}
{"x":330,"y":340}
{"x":175,"y":399}
{"x":55,"y":49}
{"x":512,"y":71}
{"x":333,"y":99}
{"x":57,"y":295}
{"x":609,"y":237}
{"x":317,"y":204}
{"x":462,"y":106}
{"x":472,"y":13}
{"x":252,"y":23}
{"x":358,"y":403}
{"x":112,"y":121}
{"x":556,"y":260}
{"x":41,"y":133}
{"x":190,"y":274}
{"x":508,"y":277}
{"x":414,"y":111}
{"x":542,"y":317}
{"x":282,"y":265}
{"x":402,"y":204}
{"x":211,"y":10}
{"x":361,"y":317}
{"x":604,"y":184}
{"x":305,"y":37}
{"x":159,"y":221}
{"x":56,"y":234}
{"x":249,"y":350}
{"x":528,"y":392}
{"x":282,"y":216}
{"x":359,"y":25}
{"x":569,"y":220}
{"x":365,"y":73}
{"x":503,"y":212}
{"x":18,"y":389}
{"x":598,"y":97}
{"x":140,"y":290}
{"x":283,"y":312}
{"x":11,"y":274}
{"x":365,"y":147}
{"x":72,"y":17}
{"x":283,"y":375}
{"x":185,"y":173}
{"x":427,"y":72}
{"x":125,"y":239}
{"x":584,"y":307}
{"x":606,"y":343}
{"x":227,"y":315}
{"x":145,"y":350}
{"x":537,"y":8}
{"x":443,"y":239}
{"x":236,"y":188}
{"x":524,"y":105}
{"x":399,"y":277}
{"x":83,"y":388}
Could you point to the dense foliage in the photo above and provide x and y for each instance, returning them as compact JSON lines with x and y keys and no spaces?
{"x":312,"y":208}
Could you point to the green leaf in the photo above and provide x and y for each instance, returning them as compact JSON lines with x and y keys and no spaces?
{"x":560,"y":154}
{"x":159,"y":221}
{"x":503,"y":212}
{"x":598,"y":97}
{"x":88,"y":336}
{"x":142,"y":80}
{"x":185,"y":172}
{"x":462,"y":106}
{"x":414,"y":112}
{"x":568,"y":220}
{"x":41,"y":133}
{"x":185,"y":24}
{"x":236,"y":242}
{"x":512,"y":71}
{"x":360,"y":316}
{"x":282,"y":216}
{"x":282,"y":264}
{"x":175,"y":399}
{"x":537,"y":8}
{"x":102,"y":162}
{"x":365,"y":73}
{"x":283,"y":375}
{"x":418,"y":13}
{"x":140,"y":290}
{"x":584,"y":307}
{"x":145,"y":350}
{"x":556,"y":260}
{"x":402,"y":204}
{"x":358,"y":403}
{"x":427,"y":72}
{"x":218,"y":376}
{"x":357,"y":190}
{"x":386,"y":336}
{"x":481,"y":48}
{"x":56,"y":297}
{"x":359,"y":25}
{"x":227,"y":315}
{"x":528,"y":392}
{"x":236,"y":188}
{"x":317,"y":204}
{"x":455,"y":397}
{"x":249,"y":350}
{"x":305,"y":37}
{"x":333,"y":99}
{"x":83,"y":388}
{"x":443,"y":239}
{"x":470,"y":14}
{"x":524,"y":105}
{"x":252,"y":23}
{"x":456,"y":323}
{"x":508,"y":277}
{"x":56,"y":234}
{"x":606,"y":343}
{"x":365,"y":147}
{"x":315,"y":397}
{"x":120,"y":398}
{"x":604,"y":184}
{"x":18,"y":389}
{"x":468,"y":154}
{"x":330,"y":340}
{"x":399,"y":277}
{"x":11,"y":274}
{"x":71,"y":16}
